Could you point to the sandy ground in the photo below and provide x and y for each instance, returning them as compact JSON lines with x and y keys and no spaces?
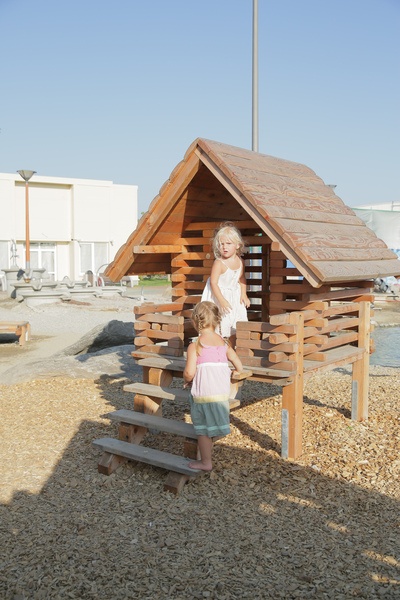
{"x":258,"y":527}
{"x":55,"y":327}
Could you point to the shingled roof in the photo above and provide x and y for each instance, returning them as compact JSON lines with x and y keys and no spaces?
{"x":310,"y":224}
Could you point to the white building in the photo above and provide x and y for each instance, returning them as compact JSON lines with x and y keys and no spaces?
{"x":384,"y":220}
{"x":75,"y":225}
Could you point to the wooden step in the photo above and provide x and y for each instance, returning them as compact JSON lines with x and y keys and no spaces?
{"x":157,"y":458}
{"x":166,"y":393}
{"x":169,"y":364}
{"x":154,"y":422}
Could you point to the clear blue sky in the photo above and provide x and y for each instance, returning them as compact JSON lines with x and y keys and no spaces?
{"x":119,"y":89}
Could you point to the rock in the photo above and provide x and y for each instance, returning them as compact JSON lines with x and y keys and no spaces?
{"x":112,"y":362}
{"x":114,"y":333}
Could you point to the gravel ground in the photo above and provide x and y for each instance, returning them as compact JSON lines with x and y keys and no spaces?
{"x":257,"y":527}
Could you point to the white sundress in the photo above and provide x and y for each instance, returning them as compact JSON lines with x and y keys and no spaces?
{"x":229,"y":285}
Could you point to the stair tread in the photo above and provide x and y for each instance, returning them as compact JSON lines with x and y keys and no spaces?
{"x":157,"y":458}
{"x":153,"y":422}
{"x":149,"y":389}
{"x":173,"y":364}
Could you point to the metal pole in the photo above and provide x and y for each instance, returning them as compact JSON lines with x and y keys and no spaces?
{"x":254,"y":145}
{"x":26,"y":175}
{"x":27,"y":243}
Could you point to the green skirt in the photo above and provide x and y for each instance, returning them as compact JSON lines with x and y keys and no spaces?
{"x":210,"y":418}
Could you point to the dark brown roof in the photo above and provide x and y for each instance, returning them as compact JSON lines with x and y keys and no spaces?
{"x":315,"y":230}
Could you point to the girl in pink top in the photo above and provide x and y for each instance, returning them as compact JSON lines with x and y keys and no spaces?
{"x":208,"y":371}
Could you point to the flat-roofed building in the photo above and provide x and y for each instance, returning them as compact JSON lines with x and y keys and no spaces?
{"x":75,"y":225}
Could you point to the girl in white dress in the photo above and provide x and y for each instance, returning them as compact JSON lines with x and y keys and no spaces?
{"x":226,"y":286}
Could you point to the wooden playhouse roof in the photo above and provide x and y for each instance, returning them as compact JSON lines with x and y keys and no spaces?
{"x":312,"y":226}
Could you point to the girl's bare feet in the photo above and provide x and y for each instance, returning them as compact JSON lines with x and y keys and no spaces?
{"x":200,"y":466}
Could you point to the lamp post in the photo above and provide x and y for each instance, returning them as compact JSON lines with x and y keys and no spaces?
{"x":254,"y":146}
{"x":26,"y":175}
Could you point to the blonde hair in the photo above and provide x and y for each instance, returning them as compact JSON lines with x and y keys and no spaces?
{"x":205,"y":314}
{"x":231,"y":233}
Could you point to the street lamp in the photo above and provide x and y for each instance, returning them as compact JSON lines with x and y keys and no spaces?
{"x":26,"y":175}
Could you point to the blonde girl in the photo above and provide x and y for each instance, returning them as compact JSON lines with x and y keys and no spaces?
{"x":208,"y":371}
{"x":226,"y":286}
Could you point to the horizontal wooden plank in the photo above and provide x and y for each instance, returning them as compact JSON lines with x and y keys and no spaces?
{"x":151,"y":308}
{"x":189,"y":270}
{"x":155,"y":391}
{"x":193,"y":256}
{"x":266,"y":346}
{"x":341,"y":309}
{"x":178,"y":277}
{"x":188,"y":285}
{"x":161,"y":319}
{"x":157,"y":458}
{"x":270,"y":369}
{"x":297,"y":200}
{"x":282,"y":215}
{"x":335,"y":357}
{"x":182,"y":263}
{"x":155,"y":349}
{"x":293,"y":305}
{"x":264,"y":327}
{"x":154,"y":422}
{"x":212,"y":225}
{"x":340,"y":324}
{"x":341,"y":340}
{"x":159,"y":334}
{"x":334,"y":270}
{"x":205,"y":241}
{"x":172,"y":364}
{"x":362,"y":254}
{"x":302,"y":287}
{"x":158,"y":249}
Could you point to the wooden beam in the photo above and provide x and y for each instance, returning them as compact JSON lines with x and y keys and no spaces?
{"x":292,"y":398}
{"x":158,"y":249}
{"x":359,"y":405}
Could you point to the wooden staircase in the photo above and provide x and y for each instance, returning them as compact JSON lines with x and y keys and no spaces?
{"x":133,"y":425}
{"x":146,"y":417}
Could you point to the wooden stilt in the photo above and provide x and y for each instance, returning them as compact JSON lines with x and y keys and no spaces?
{"x":360,"y":383}
{"x":108,"y":463}
{"x":292,"y":396}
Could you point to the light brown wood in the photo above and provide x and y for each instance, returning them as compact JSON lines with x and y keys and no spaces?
{"x":158,"y":249}
{"x":299,"y":219}
{"x":360,"y":384}
{"x":22,"y":329}
{"x":292,"y":398}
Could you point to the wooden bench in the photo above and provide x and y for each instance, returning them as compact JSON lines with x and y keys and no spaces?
{"x":22,"y":329}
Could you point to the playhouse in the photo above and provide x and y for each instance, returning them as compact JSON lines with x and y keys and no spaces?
{"x":310,"y":267}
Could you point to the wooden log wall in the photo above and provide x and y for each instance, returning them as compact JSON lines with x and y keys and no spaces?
{"x":331,"y":336}
{"x":158,"y":333}
{"x":191,"y":265}
{"x":289,"y":291}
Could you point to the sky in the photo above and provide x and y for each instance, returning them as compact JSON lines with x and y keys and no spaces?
{"x":119,"y":89}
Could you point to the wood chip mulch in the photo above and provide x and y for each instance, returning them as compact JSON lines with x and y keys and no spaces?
{"x":257,"y":527}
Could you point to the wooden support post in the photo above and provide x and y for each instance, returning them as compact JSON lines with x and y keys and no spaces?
{"x":292,"y":396}
{"x":108,"y":463}
{"x":360,"y":383}
{"x":146,"y":404}
{"x":175,"y":482}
